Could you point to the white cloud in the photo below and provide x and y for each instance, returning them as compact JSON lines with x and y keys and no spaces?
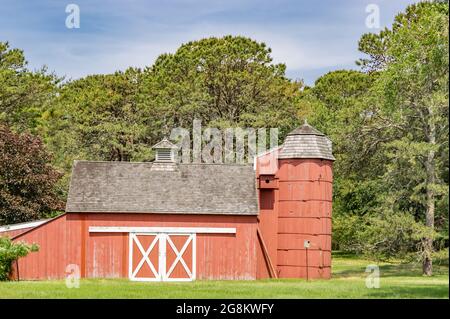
{"x":144,"y":32}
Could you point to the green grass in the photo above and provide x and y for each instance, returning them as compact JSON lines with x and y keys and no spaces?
{"x":397,"y":281}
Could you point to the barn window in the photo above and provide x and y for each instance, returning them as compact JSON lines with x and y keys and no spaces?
{"x":164,"y":155}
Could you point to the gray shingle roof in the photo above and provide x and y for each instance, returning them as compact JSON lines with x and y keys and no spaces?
{"x":125,"y":187}
{"x":306,"y":142}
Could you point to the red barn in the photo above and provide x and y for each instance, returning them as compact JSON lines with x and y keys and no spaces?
{"x":168,"y":221}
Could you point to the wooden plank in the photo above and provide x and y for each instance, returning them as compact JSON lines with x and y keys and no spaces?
{"x":273,"y":273}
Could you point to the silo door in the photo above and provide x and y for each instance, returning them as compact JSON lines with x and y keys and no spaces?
{"x":162,"y":257}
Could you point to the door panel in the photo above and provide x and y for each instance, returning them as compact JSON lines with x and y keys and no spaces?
{"x":144,"y":257}
{"x":180,"y":262}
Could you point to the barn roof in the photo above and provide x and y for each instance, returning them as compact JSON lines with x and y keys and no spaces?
{"x":306,"y":142}
{"x":125,"y":187}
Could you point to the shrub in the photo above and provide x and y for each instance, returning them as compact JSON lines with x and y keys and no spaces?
{"x":380,"y":236}
{"x":9,"y":252}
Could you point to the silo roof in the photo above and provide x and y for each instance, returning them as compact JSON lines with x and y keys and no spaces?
{"x":306,"y":142}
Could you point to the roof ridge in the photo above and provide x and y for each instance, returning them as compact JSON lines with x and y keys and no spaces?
{"x":151,"y":162}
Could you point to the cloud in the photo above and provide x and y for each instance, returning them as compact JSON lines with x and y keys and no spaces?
{"x":308,"y":37}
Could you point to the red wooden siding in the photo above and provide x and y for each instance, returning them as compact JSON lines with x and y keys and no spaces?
{"x":268,"y":222}
{"x":304,"y":214}
{"x":13,"y":233}
{"x":301,"y":191}
{"x":66,"y":240}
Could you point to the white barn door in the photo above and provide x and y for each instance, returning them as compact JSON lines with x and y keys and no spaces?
{"x":162,"y":257}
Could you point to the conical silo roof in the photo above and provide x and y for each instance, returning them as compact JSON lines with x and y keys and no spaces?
{"x":306,"y":142}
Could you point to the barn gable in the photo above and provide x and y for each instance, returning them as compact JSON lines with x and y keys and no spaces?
{"x":127,"y":187}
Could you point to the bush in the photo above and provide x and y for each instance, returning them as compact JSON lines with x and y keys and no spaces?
{"x":384,"y":236}
{"x":440,"y":257}
{"x":9,"y":252}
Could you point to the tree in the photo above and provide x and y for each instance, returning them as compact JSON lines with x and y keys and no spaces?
{"x":408,"y":107}
{"x":98,"y":118}
{"x":225,"y":82}
{"x":24,"y":95}
{"x":335,"y":105}
{"x":27,"y":180}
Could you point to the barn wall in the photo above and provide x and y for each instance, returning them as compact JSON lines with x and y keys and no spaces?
{"x":13,"y":233}
{"x":13,"y":230}
{"x":266,"y":167}
{"x":66,"y":240}
{"x":57,"y":248}
{"x":268,"y":227}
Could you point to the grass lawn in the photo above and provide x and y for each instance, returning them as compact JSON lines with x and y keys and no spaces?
{"x":397,"y":281}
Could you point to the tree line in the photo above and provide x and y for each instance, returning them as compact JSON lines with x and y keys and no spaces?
{"x":388,"y":122}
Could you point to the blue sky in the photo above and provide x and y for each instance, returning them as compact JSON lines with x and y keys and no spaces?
{"x":310,"y":37}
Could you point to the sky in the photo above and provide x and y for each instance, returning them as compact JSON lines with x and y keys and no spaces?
{"x":310,"y":37}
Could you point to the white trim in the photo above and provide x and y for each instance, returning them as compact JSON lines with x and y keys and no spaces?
{"x":22,"y":225}
{"x":182,"y":230}
{"x":130,"y":256}
{"x":162,"y":255}
{"x":194,"y":257}
{"x":276,"y":148}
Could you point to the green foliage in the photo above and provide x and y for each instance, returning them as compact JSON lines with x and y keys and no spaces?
{"x":441,"y":257}
{"x":381,"y":236}
{"x":389,"y":126}
{"x":409,"y":122}
{"x":24,"y":95}
{"x":11,"y":251}
{"x":27,"y":179}
{"x":225,"y":82}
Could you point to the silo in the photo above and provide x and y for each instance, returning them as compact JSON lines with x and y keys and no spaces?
{"x":304,"y":205}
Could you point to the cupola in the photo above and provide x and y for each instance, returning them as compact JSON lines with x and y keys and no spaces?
{"x":165,"y":159}
{"x":165,"y":151}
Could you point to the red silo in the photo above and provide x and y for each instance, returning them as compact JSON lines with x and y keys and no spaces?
{"x":304,"y":210}
{"x":303,"y":195}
